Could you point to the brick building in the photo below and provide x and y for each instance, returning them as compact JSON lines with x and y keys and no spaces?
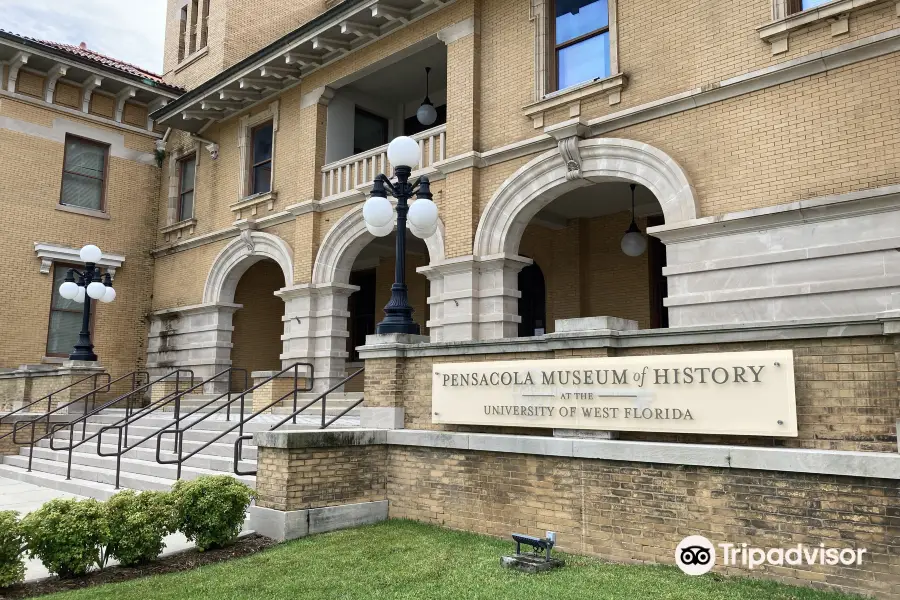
{"x":755,"y":145}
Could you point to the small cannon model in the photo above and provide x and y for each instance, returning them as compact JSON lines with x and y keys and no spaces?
{"x":538,"y":559}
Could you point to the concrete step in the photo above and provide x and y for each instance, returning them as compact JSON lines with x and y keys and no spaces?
{"x":165,"y":420}
{"x":139,"y":430}
{"x":89,"y":489}
{"x":217,"y":449}
{"x":142,"y":461}
{"x":162,"y":480}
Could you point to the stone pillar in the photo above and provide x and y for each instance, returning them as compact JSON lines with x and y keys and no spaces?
{"x":316,"y":329}
{"x":194,"y":337}
{"x":386,"y":379}
{"x":475,"y":298}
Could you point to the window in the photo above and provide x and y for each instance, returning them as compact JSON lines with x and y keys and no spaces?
{"x":801,"y":5}
{"x":195,"y":9}
{"x":84,"y":173}
{"x":182,"y":32}
{"x":186,"y":170}
{"x":261,"y":158}
{"x":581,"y":41}
{"x":65,"y":317}
{"x":369,"y":131}
{"x":204,"y":24}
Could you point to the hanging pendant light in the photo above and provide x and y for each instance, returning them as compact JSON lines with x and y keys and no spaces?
{"x":426,"y":115}
{"x":633,"y":242}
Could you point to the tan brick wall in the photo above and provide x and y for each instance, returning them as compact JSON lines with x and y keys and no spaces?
{"x":846,"y":390}
{"x":8,"y":447}
{"x":67,"y":95}
{"x":639,"y":512}
{"x":30,"y":84}
{"x":35,"y":165}
{"x":258,"y":326}
{"x":315,"y":477}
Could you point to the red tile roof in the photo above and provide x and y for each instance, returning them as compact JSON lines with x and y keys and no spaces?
{"x":84,"y":53}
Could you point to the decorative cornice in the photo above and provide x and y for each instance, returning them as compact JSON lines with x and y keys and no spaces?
{"x":573,"y":97}
{"x":48,"y":253}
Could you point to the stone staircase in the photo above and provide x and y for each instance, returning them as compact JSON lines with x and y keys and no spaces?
{"x":94,"y":475}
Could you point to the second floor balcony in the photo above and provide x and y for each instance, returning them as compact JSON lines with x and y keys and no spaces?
{"x":366,"y":113}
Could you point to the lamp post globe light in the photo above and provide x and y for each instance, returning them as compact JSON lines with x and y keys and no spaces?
{"x":90,"y":285}
{"x":421,"y":216}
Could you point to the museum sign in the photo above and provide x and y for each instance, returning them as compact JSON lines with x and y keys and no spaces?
{"x":734,"y":393}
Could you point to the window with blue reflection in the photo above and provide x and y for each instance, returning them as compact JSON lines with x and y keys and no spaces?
{"x":581,"y":41}
{"x":813,"y":3}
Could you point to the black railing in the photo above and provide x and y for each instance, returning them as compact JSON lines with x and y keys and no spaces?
{"x":122,"y":426}
{"x":239,"y":442}
{"x":127,"y":398}
{"x":49,"y":397}
{"x":179,"y":432}
{"x":135,"y":377}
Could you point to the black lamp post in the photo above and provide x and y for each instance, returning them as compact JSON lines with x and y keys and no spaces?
{"x":91,"y":285}
{"x":403,"y":153}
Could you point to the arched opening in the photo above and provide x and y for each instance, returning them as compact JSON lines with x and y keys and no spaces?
{"x":576,"y":239}
{"x":533,"y":301}
{"x":256,"y":339}
{"x":373,"y":273}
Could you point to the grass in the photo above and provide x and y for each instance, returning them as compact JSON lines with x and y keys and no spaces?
{"x":403,"y":560}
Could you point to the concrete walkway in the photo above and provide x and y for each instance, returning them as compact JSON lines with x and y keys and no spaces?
{"x":26,"y":497}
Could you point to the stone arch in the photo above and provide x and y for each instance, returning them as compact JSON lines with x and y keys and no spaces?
{"x":546,"y":177}
{"x":346,"y":239}
{"x":238,"y":256}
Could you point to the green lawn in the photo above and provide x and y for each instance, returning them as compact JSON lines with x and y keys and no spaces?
{"x":406,"y":560}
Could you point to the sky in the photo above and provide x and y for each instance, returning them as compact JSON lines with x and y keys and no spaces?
{"x":129,"y":30}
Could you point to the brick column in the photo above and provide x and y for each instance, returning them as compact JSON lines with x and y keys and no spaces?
{"x":460,"y":205}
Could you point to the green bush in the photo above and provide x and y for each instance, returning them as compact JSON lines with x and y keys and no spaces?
{"x":68,"y":536}
{"x":137,"y":525}
{"x":12,"y":563}
{"x":211,"y":509}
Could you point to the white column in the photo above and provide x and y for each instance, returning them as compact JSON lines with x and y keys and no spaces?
{"x":316,"y":329}
{"x":474,"y":298}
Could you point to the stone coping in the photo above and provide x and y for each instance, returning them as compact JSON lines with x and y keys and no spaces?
{"x":52,"y":371}
{"x":839,"y":327}
{"x":879,"y":465}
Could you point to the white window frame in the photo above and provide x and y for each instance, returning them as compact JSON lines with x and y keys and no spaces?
{"x":544,"y":47}
{"x":245,"y":144}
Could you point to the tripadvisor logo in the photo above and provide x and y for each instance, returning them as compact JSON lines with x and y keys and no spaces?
{"x":696,"y":555}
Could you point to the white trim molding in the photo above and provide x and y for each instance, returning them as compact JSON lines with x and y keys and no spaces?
{"x":836,"y":12}
{"x":50,"y":253}
{"x":246,"y":125}
{"x":238,"y":256}
{"x":572,"y":97}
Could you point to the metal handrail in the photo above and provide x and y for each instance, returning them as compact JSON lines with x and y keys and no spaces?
{"x":239,"y":442}
{"x":179,"y":432}
{"x":121,"y":426}
{"x":127,"y":397}
{"x":49,"y":397}
{"x":47,"y":429}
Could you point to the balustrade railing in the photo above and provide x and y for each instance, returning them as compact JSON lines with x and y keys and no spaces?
{"x":346,"y":174}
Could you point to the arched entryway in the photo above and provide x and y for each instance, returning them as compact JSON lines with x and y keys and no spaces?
{"x":598,"y":169}
{"x":258,"y":326}
{"x":319,"y":316}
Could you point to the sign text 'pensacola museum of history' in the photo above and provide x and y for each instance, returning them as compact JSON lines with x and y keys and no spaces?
{"x":737,"y":393}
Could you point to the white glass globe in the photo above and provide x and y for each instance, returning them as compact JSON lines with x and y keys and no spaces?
{"x":403,"y":151}
{"x":423,"y":213}
{"x":68,"y":290}
{"x":426,"y":115}
{"x":380,"y":231}
{"x":634,"y":243}
{"x":96,"y":290}
{"x":79,"y":297}
{"x":109,"y":296}
{"x":90,"y":254}
{"x":422,"y":234}
{"x":378,"y":211}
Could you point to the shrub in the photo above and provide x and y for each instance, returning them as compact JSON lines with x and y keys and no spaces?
{"x":68,"y":536}
{"x":211,"y":509}
{"x":137,"y":525}
{"x":12,"y":563}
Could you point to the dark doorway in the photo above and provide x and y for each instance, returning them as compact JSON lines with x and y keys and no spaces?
{"x":533,"y":301}
{"x":362,"y":311}
{"x":656,"y":260}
